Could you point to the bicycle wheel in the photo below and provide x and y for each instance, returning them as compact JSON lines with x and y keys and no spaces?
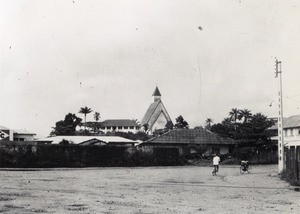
{"x":249,"y":168}
{"x":242,"y":170}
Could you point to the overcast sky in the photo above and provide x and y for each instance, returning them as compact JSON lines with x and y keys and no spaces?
{"x":109,"y":55}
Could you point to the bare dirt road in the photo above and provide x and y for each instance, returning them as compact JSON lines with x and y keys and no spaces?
{"x":186,"y":189}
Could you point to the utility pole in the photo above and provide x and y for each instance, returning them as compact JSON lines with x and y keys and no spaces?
{"x":281,"y":157}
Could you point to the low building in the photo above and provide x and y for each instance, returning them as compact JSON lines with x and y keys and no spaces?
{"x":291,"y":131}
{"x":119,"y":125}
{"x":7,"y":134}
{"x":188,"y":140}
{"x":88,"y":140}
{"x":114,"y":125}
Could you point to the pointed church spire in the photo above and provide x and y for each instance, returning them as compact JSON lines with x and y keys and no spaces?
{"x":156,"y":94}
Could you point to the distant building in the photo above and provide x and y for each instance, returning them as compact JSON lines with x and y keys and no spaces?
{"x":7,"y":134}
{"x":115,"y":125}
{"x":119,"y":126}
{"x":156,"y":117}
{"x":291,"y":131}
{"x":186,"y":140}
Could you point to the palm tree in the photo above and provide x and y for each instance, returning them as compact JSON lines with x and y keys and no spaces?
{"x":234,"y":114}
{"x":208,"y":123}
{"x":97,"y":116}
{"x":245,"y":114}
{"x":85,"y":110}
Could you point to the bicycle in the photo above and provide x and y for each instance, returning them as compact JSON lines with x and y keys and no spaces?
{"x":245,"y":167}
{"x":215,"y":170}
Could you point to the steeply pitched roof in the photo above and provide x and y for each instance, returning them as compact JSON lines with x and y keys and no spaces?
{"x":156,"y":92}
{"x":289,"y":122}
{"x":150,"y":112}
{"x":122,"y":122}
{"x":191,"y":136}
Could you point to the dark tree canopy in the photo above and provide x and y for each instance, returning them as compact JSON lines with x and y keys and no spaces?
{"x":181,"y":123}
{"x":97,"y":116}
{"x":169,"y":126}
{"x":132,"y":136}
{"x":251,"y":131}
{"x":66,"y":126}
{"x":208,"y":123}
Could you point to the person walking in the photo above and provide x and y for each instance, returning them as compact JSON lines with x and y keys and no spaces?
{"x":216,"y":162}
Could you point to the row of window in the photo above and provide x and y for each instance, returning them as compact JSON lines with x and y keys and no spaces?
{"x":119,"y":127}
{"x":291,"y":132}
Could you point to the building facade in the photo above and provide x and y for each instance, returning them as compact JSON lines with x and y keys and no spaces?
{"x":119,"y":125}
{"x":7,"y":134}
{"x":156,"y":116}
{"x":291,"y":131}
{"x":189,"y":140}
{"x":113,"y":125}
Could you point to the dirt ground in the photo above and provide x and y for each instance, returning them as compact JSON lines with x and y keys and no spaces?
{"x":187,"y":189}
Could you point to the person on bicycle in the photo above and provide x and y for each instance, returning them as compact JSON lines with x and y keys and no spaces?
{"x":245,"y":164}
{"x":216,"y":162}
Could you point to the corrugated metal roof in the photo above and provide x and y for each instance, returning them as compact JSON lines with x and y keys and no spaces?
{"x":191,"y":136}
{"x":289,"y":122}
{"x":81,"y":139}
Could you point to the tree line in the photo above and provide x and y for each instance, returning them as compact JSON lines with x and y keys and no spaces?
{"x":247,"y":129}
{"x":71,"y":122}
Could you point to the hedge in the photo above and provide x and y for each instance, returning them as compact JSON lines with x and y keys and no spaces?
{"x":31,"y":156}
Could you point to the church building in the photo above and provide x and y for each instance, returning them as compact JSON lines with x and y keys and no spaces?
{"x":156,"y":116}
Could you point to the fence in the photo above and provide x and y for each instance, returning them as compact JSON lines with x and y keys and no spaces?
{"x":292,"y":163}
{"x":84,"y":156}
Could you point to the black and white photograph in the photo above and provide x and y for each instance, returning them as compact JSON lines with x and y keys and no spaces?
{"x":149,"y":106}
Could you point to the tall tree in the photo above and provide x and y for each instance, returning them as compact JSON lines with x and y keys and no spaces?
{"x":208,"y":123}
{"x":66,"y":126}
{"x":253,"y":133}
{"x":85,"y":110}
{"x":97,"y":116}
{"x":234,"y":114}
{"x":181,"y":123}
{"x":244,"y":114}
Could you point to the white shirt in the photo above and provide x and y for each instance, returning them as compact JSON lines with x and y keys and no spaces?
{"x":216,"y":160}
